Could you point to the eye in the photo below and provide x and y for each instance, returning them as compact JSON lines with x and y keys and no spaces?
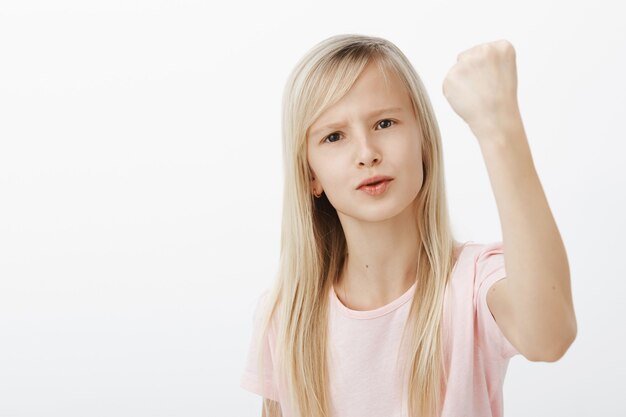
{"x":329,"y":136}
{"x":325,"y":140}
{"x":386,"y":120}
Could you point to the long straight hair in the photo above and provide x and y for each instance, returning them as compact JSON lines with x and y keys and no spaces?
{"x":313,"y":245}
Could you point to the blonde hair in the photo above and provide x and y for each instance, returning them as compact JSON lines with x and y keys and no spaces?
{"x":313,"y":245}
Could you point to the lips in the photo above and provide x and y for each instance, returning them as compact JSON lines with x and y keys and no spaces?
{"x":375,"y":180}
{"x":376,"y":189}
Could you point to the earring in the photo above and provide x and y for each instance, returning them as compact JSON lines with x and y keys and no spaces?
{"x":316,"y":195}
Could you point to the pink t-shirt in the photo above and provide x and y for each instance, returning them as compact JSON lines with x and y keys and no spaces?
{"x":363,"y":348}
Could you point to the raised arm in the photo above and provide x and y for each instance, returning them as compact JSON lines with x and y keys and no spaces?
{"x":533,"y":305}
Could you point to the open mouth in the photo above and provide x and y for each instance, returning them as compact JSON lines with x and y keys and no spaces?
{"x":376,"y":188}
{"x":374,"y":184}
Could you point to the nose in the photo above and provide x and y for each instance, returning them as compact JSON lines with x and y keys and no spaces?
{"x":367,"y":154}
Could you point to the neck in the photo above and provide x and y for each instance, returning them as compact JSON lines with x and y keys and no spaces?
{"x":381,"y":264}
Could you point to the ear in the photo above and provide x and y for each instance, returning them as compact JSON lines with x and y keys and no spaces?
{"x":315,"y":185}
{"x":313,"y":177}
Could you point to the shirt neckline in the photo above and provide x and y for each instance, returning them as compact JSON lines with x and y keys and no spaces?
{"x":387,"y":308}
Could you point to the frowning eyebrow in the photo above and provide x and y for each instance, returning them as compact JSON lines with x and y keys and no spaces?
{"x":371,"y":114}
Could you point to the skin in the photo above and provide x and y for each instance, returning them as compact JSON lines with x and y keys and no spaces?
{"x":533,"y":306}
{"x":380,"y":231}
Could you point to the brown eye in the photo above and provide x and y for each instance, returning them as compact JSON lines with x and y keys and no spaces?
{"x":386,"y":120}
{"x":330,"y":136}
{"x":326,"y":139}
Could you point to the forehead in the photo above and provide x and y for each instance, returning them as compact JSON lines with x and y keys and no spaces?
{"x":377,"y":81}
{"x":374,"y":89}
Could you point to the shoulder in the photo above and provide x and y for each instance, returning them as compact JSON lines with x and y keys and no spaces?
{"x":477,"y":264}
{"x":491,"y":297}
{"x":475,"y":249}
{"x":481,"y":250}
{"x":479,"y":260}
{"x":485,"y":264}
{"x":485,"y":258}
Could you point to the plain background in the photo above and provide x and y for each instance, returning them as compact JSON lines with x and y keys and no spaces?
{"x":141,"y":188}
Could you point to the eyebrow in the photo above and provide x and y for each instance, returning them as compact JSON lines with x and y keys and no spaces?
{"x":369,"y":115}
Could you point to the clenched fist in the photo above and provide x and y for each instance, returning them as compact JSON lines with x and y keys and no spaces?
{"x":482,"y":86}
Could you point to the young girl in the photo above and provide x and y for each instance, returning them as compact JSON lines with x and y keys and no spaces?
{"x":377,"y":310}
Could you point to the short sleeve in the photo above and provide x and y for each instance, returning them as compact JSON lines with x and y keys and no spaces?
{"x":490,"y":268}
{"x":252,"y":379}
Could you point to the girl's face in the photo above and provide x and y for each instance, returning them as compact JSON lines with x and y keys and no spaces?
{"x":371,"y":131}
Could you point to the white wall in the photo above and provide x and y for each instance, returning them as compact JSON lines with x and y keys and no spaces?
{"x":140,"y":188}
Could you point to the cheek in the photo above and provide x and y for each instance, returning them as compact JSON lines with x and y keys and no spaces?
{"x":411,"y":156}
{"x":413,"y":166}
{"x":332,"y":173}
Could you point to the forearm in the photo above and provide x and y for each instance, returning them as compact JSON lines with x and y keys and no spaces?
{"x":535,"y":257}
